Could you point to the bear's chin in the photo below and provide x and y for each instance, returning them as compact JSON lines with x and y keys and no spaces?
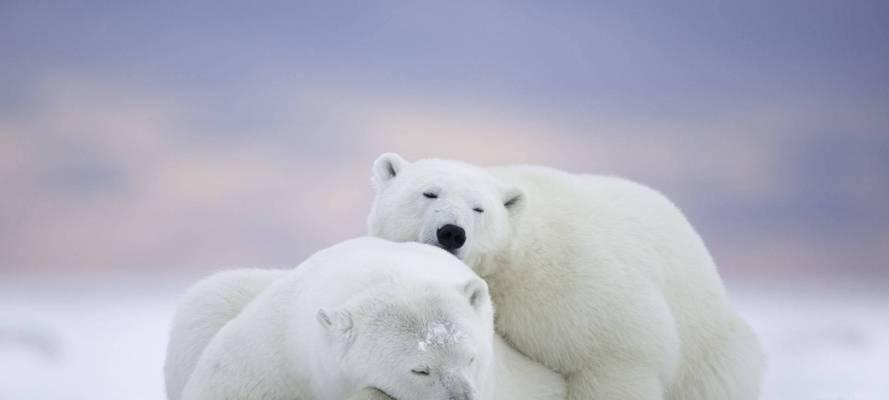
{"x":456,"y":253}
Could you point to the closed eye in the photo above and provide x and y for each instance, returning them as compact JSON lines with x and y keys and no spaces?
{"x":430,"y":195}
{"x":478,"y":210}
{"x":420,"y":371}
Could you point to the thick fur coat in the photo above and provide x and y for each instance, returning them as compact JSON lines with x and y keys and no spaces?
{"x":598,"y":278}
{"x":358,"y":321}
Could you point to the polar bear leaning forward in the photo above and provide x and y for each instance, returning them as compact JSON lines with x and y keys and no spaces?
{"x":598,"y":278}
{"x":357,"y":321}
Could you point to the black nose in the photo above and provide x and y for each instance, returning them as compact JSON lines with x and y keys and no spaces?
{"x":451,"y":237}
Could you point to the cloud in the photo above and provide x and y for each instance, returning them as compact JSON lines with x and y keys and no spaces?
{"x":104,"y":177}
{"x":178,"y":198}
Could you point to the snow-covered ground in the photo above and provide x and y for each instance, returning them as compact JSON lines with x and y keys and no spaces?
{"x":95,"y":344}
{"x":822,"y":347}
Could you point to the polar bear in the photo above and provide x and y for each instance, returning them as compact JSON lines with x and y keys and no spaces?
{"x":204,"y":309}
{"x":208,"y":307}
{"x":598,"y":278}
{"x":359,"y":314}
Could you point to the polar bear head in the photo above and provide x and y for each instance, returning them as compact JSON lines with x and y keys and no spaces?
{"x":453,"y":205}
{"x":416,"y":342}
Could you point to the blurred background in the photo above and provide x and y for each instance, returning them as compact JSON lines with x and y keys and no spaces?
{"x":144,"y":145}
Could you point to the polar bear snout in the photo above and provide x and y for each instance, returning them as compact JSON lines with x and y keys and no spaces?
{"x":458,"y":388}
{"x":462,"y":396}
{"x":451,"y":237}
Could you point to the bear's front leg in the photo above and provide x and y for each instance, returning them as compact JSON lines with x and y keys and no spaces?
{"x":615,"y":384}
{"x":369,"y":394}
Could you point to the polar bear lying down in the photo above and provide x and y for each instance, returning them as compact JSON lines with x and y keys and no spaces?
{"x":365,"y":319}
{"x":598,"y":278}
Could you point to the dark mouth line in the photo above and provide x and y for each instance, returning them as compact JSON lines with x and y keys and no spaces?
{"x":453,"y":252}
{"x":387,"y":394}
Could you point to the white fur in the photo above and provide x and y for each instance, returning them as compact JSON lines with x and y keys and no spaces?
{"x":598,"y":278}
{"x":202,"y":312}
{"x":377,"y":271}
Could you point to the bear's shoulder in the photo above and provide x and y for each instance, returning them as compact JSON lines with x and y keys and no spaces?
{"x":555,"y":183}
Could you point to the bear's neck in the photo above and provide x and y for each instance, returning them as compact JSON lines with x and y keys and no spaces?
{"x":327,"y":378}
{"x":518,"y":268}
{"x":509,"y":266}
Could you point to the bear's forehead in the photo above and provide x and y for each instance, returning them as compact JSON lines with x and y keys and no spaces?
{"x":438,"y":334}
{"x":450,"y":172}
{"x":464,"y":183}
{"x":415,"y":314}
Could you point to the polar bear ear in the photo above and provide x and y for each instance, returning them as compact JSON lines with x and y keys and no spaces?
{"x":335,"y":321}
{"x":386,"y":167}
{"x":476,"y":291}
{"x":513,"y":199}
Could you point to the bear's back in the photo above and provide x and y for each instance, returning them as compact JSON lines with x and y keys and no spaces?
{"x":337,"y":273}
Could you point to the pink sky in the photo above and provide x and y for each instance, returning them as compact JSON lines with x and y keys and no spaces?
{"x":142,"y":140}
